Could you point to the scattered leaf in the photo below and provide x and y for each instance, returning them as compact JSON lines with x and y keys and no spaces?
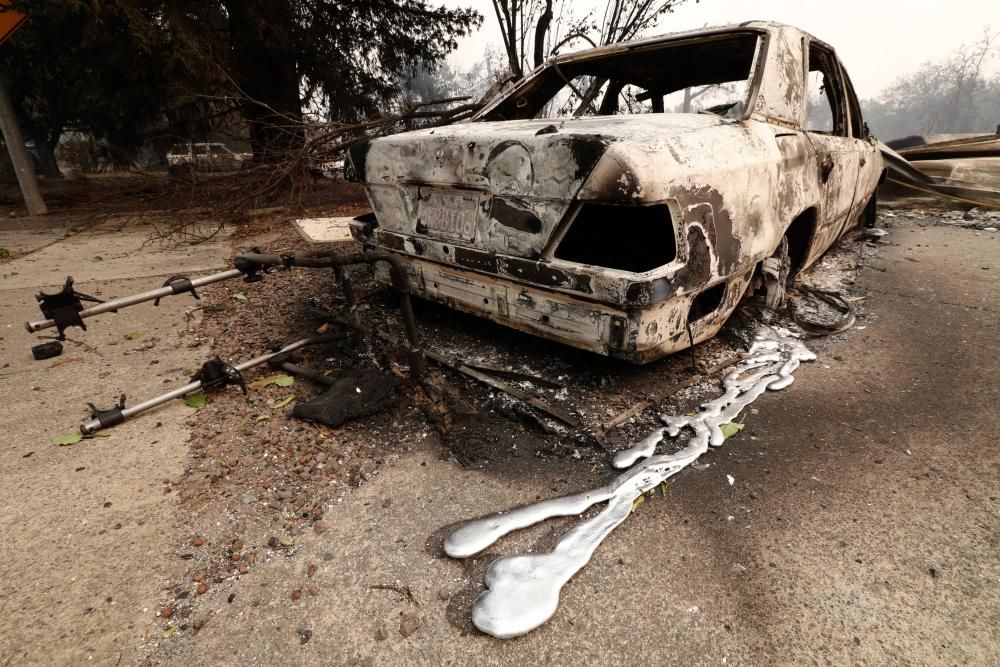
{"x":68,"y":439}
{"x":287,"y":542}
{"x":279,"y":380}
{"x":283,"y":402}
{"x":96,"y":258}
{"x":171,"y":630}
{"x":196,"y":400}
{"x":4,"y":253}
{"x":664,"y":488}
{"x":132,"y":335}
{"x":729,"y":429}
{"x":262,"y":418}
{"x":323,"y":328}
{"x":242,"y":424}
{"x":638,"y":501}
{"x":260,"y":382}
{"x":241,"y":296}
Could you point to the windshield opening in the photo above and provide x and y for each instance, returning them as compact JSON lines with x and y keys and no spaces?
{"x":706,"y":75}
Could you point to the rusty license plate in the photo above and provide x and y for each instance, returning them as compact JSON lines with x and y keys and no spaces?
{"x":451,"y":215}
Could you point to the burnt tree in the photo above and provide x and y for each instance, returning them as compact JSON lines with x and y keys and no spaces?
{"x":546,"y":26}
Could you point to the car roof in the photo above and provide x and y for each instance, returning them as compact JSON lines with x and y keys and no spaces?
{"x":758,"y":26}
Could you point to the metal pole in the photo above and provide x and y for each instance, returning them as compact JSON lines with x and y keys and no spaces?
{"x":126,"y":301}
{"x":19,"y":154}
{"x":307,"y":373}
{"x":321,"y":259}
{"x":94,"y":425}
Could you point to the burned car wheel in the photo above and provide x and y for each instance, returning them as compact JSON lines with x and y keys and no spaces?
{"x":776,"y":271}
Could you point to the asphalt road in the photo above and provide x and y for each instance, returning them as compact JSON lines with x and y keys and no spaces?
{"x":861,"y":528}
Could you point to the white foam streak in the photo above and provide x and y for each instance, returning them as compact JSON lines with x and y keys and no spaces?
{"x":523,"y":590}
{"x":641,"y":450}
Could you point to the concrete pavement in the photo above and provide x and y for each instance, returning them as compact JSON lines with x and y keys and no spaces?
{"x":862,"y":526}
{"x":86,"y":528}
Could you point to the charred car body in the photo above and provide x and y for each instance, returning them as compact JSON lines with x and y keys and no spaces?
{"x":620,"y":199}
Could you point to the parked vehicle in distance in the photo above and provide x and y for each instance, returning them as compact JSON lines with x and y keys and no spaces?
{"x":206,"y":156}
{"x":621,"y":199}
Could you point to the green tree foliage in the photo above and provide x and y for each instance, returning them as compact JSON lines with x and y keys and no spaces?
{"x":71,"y":68}
{"x":129,"y":71}
{"x":346,"y":57}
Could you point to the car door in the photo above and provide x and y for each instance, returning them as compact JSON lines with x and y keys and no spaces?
{"x":837,"y":153}
{"x":870,"y":163}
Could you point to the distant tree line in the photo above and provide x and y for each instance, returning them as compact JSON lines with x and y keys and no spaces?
{"x":960,"y":94}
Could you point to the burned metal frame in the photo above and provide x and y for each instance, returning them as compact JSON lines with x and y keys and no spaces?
{"x":331,"y":259}
{"x":216,"y":373}
{"x":102,"y":419}
{"x":637,"y":48}
{"x":65,"y":308}
{"x":454,"y":203}
{"x":175,"y":285}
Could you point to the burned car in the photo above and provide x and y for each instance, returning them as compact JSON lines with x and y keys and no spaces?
{"x":620,"y":199}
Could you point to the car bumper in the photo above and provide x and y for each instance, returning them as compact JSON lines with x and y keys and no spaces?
{"x":636,"y":335}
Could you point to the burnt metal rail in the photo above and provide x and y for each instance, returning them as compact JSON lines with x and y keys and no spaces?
{"x":101,"y":419}
{"x":251,"y":262}
{"x":505,"y":387}
{"x":282,"y":363}
{"x":65,"y":309}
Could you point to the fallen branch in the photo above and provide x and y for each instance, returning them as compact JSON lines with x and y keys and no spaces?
{"x":193,"y":207}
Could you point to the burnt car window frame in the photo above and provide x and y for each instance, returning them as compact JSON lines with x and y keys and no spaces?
{"x":753,"y":80}
{"x":858,"y":129}
{"x":833,"y":80}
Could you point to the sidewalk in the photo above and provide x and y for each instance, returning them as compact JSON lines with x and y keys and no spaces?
{"x":87,"y":528}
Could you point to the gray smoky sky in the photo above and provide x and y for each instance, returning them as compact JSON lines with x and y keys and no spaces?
{"x":877,"y":40}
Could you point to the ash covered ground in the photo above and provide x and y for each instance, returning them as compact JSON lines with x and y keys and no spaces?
{"x":257,"y":478}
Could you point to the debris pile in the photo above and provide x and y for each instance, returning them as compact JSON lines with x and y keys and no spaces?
{"x":974,"y":218}
{"x":257,"y":479}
